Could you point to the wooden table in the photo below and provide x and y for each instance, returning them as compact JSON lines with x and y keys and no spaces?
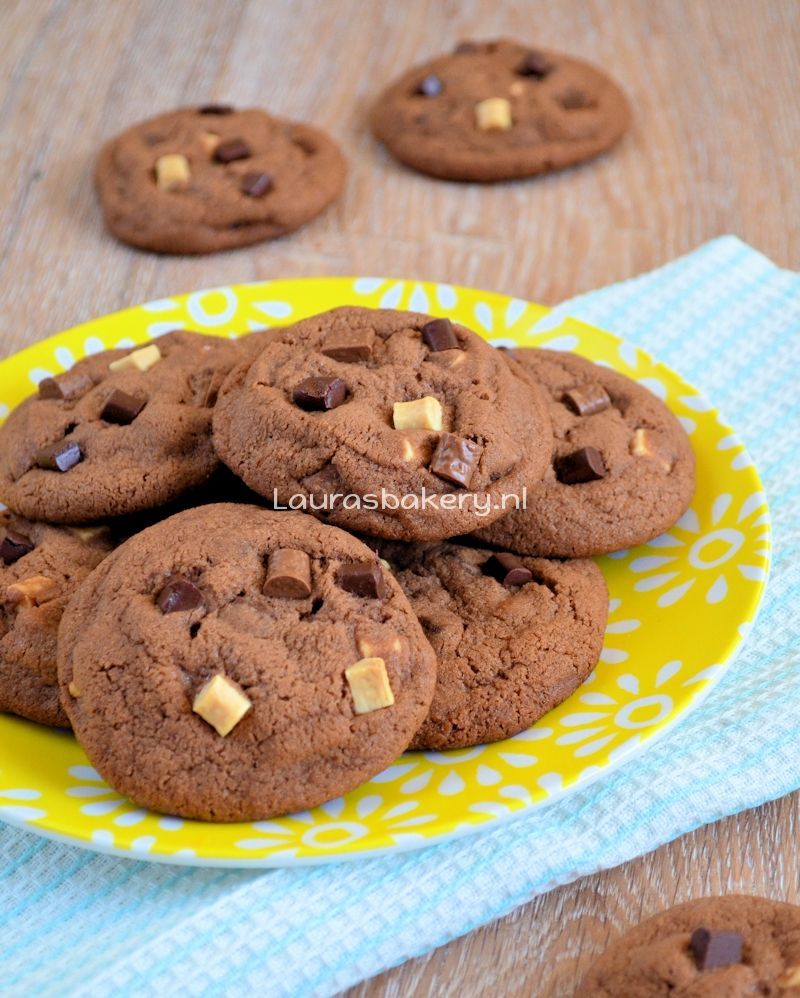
{"x":714,"y":149}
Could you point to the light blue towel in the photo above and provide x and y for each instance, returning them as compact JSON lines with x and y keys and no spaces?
{"x":75,"y":923}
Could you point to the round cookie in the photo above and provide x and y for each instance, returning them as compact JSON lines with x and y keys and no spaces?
{"x":732,"y":946}
{"x":317,"y":416}
{"x":513,"y":637}
{"x":497,"y":111}
{"x":627,"y":436}
{"x":203,"y":179}
{"x":233,"y":663}
{"x":41,"y":566}
{"x":82,"y":449}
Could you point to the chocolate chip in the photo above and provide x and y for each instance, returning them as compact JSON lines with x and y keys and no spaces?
{"x":575,"y":100}
{"x":466,"y":48}
{"x":362,"y":578}
{"x":323,"y":484}
{"x":256,"y":185}
{"x":122,"y":408}
{"x":318,"y":394}
{"x":508,"y":569}
{"x":455,"y":459}
{"x":586,"y":400}
{"x":288,"y":574}
{"x":438,"y":335}
{"x":715,"y":949}
{"x":66,"y":388}
{"x":179,"y":594}
{"x":215,"y":109}
{"x":227,"y":152}
{"x":14,"y":547}
{"x":534,"y":64}
{"x":350,"y":345}
{"x":60,"y":456}
{"x":430,"y":86}
{"x":584,"y":465}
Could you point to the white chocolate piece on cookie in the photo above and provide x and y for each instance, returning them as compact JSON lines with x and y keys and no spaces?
{"x":493,"y":114}
{"x":421,"y":414}
{"x":172,"y":171}
{"x":142,"y":359}
{"x":369,"y":685}
{"x":221,"y":703}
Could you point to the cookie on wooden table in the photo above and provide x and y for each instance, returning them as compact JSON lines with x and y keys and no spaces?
{"x":233,"y":663}
{"x":733,"y":946}
{"x":362,"y":403}
{"x":41,"y":566}
{"x":499,"y":110}
{"x":622,"y":471}
{"x":210,"y":178}
{"x":513,"y":636}
{"x":122,"y":431}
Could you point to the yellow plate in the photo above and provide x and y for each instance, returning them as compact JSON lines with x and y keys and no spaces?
{"x":680,"y":606}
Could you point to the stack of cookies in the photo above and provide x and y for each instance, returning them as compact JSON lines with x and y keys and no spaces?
{"x":249,"y":574}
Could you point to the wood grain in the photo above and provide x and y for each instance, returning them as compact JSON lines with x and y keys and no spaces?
{"x":713,"y":150}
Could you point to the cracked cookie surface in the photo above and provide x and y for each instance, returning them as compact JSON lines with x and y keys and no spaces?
{"x":134,"y":659}
{"x":507,"y":654}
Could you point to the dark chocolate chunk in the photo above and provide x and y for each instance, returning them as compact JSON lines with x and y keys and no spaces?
{"x":179,"y":594}
{"x":255,"y":185}
{"x":362,"y":578}
{"x":508,"y":569}
{"x":350,"y":345}
{"x":122,"y":408}
{"x":586,"y":400}
{"x":715,"y":949}
{"x":60,"y":456}
{"x":318,"y":394}
{"x":215,"y":109}
{"x":227,"y":152}
{"x":14,"y":547}
{"x":66,"y":387}
{"x":438,"y":335}
{"x":288,"y":574}
{"x":322,"y":486}
{"x":455,"y":459}
{"x":534,"y":64}
{"x":430,"y":86}
{"x":584,"y":465}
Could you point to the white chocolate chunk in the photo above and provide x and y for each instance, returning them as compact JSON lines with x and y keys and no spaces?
{"x":89,"y":534}
{"x":32,"y":592}
{"x":142,"y":359}
{"x":790,"y":978}
{"x":642,"y":445}
{"x":380,"y":646}
{"x":410,"y":452}
{"x":209,"y":141}
{"x":369,"y":685}
{"x":74,"y":691}
{"x":172,"y":171}
{"x":221,"y":703}
{"x":493,"y":114}
{"x":421,"y":414}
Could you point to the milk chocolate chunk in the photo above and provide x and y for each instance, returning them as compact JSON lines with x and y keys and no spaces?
{"x":256,"y":185}
{"x":455,"y":459}
{"x":66,"y":387}
{"x":233,"y":149}
{"x":430,"y":86}
{"x":288,"y":574}
{"x":179,"y":594}
{"x":122,"y":408}
{"x":507,"y":569}
{"x":60,"y":456}
{"x":438,"y":335}
{"x":715,"y":949}
{"x":584,"y":465}
{"x":534,"y":64}
{"x":14,"y":547}
{"x":362,"y":578}
{"x":319,"y":394}
{"x":350,"y":345}
{"x":586,"y":400}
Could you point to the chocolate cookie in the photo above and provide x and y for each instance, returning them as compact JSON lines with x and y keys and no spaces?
{"x":40,"y":568}
{"x":622,"y":469}
{"x":233,"y":663}
{"x":123,"y":431}
{"x":732,"y":946}
{"x":513,"y":637}
{"x":498,"y":111}
{"x":211,"y":178}
{"x":384,"y":409}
